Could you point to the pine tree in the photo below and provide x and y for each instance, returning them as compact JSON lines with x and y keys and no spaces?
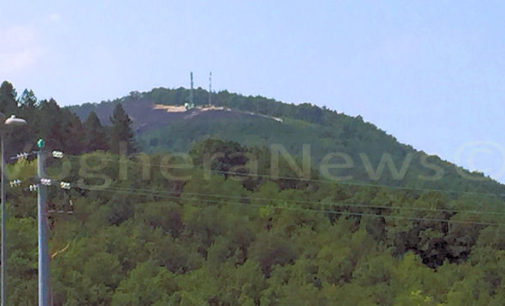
{"x":21,"y":138}
{"x":96,"y":137}
{"x":74,"y":134}
{"x":8,"y":103}
{"x":122,"y":137}
{"x":51,"y":127}
{"x":28,"y":100}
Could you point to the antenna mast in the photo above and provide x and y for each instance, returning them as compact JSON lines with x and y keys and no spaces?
{"x":210,"y":88}
{"x":191,"y":91}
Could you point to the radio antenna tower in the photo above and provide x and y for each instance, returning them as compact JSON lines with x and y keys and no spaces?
{"x":210,"y":88}
{"x":191,"y":91}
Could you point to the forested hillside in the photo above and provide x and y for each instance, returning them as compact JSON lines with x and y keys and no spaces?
{"x":151,"y":240}
{"x":182,"y":229}
{"x":324,"y":130}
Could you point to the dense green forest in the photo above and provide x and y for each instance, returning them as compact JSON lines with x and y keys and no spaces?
{"x":146,"y":239}
{"x":180,"y":229}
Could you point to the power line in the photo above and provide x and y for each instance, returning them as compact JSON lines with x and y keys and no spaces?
{"x":343,"y":203}
{"x":326,"y":181}
{"x":129,"y":191}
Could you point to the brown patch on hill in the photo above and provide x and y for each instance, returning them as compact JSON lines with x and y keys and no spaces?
{"x":146,"y":115}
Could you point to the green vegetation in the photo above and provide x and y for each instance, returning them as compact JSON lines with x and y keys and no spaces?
{"x":173,"y":229}
{"x":326,"y":131}
{"x":150,"y":240}
{"x":121,"y":132}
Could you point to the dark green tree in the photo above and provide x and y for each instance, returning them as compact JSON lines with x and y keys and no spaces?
{"x":74,"y":133}
{"x":122,"y":136}
{"x":219,"y":155}
{"x":96,"y":137}
{"x":28,"y":100}
{"x":8,"y":103}
{"x":21,"y":136}
{"x":28,"y":110}
{"x":51,"y":127}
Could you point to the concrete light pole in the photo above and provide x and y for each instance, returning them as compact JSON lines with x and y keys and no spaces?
{"x":4,"y":124}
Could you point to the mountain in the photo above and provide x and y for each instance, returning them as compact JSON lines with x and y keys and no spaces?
{"x":363,"y":152}
{"x":129,"y":231}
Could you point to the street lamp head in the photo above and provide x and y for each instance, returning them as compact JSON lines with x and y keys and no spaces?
{"x":13,"y":121}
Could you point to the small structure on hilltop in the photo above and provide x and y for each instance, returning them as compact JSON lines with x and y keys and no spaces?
{"x":191,"y":103}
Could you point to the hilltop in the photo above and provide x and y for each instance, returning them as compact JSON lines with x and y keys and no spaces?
{"x":162,"y":124}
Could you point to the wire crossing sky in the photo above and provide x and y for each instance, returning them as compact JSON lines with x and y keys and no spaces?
{"x":428,"y":72}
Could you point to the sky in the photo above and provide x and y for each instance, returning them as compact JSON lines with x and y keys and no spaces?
{"x":431,"y":73}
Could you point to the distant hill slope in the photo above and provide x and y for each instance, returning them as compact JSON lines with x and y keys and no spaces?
{"x":258,"y":121}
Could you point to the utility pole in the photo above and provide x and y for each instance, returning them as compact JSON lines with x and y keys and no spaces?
{"x":43,"y":228}
{"x":4,"y":247}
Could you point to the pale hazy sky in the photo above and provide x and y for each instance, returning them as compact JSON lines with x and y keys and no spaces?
{"x":432,"y":73}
